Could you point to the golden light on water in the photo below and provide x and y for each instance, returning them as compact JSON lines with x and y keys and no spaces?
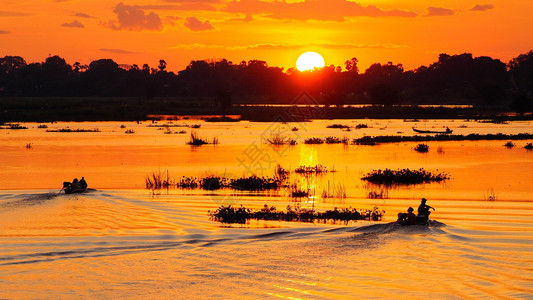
{"x":308,"y":156}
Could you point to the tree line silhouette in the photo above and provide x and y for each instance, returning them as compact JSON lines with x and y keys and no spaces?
{"x":453,"y":79}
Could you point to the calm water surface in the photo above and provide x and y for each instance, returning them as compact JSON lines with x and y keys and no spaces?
{"x":123,"y":241}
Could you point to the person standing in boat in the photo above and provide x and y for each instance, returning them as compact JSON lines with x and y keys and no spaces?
{"x":423,"y":208}
{"x":83,"y":183}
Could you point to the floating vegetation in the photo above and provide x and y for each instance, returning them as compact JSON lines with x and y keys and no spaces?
{"x":42,"y":126}
{"x":196,"y":126}
{"x":221,"y":119}
{"x":314,"y":140}
{"x":298,"y":192}
{"x":381,"y":194}
{"x":311,"y":169}
{"x":294,"y":128}
{"x":158,"y":180}
{"x":403,"y":176}
{"x":336,"y":140}
{"x":13,"y":126}
{"x":372,"y":140}
{"x":255,"y":183}
{"x":122,"y":126}
{"x":509,"y":144}
{"x":212,"y":183}
{"x":422,"y":148}
{"x":240,"y":215}
{"x":196,"y":140}
{"x":360,"y":126}
{"x":529,"y":146}
{"x":339,"y":126}
{"x":279,"y":139}
{"x":67,"y":129}
{"x":29,"y":146}
{"x":129,"y":131}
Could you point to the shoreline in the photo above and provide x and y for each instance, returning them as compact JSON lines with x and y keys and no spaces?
{"x":52,"y":109}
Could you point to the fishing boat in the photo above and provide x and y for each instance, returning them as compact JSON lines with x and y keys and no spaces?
{"x":69,"y":190}
{"x":420,"y":220}
{"x":447,"y":131}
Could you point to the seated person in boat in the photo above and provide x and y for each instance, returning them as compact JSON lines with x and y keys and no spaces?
{"x":83,"y":183}
{"x":408,"y":218}
{"x":423,"y":209}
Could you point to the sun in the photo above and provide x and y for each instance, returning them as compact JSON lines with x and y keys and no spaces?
{"x":308,"y":61}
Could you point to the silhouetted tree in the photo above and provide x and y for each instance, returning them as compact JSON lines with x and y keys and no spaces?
{"x":521,"y":69}
{"x":162,"y":65}
{"x":351,"y":65}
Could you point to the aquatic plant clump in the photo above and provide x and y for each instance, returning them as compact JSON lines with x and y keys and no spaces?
{"x":403,"y":176}
{"x":528,"y":146}
{"x":255,"y":183}
{"x":336,"y":140}
{"x":422,"y":148}
{"x":73,"y":130}
{"x":311,"y":169}
{"x":373,"y":140}
{"x":339,"y":126}
{"x":509,"y":144}
{"x":240,"y":215}
{"x":314,"y":140}
{"x":279,"y":139}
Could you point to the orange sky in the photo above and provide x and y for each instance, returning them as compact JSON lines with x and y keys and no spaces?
{"x":412,"y":32}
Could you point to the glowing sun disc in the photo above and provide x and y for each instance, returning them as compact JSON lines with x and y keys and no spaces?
{"x":308,"y":61}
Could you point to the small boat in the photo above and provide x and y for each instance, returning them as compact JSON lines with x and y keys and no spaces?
{"x":69,"y":190}
{"x":75,"y":191}
{"x":447,"y":131}
{"x":420,"y":220}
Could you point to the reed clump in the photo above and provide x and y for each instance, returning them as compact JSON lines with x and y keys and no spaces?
{"x":421,"y":148}
{"x":196,"y":140}
{"x":314,"y":140}
{"x":318,"y":169}
{"x":336,"y":140}
{"x":509,"y":144}
{"x":13,"y":126}
{"x":360,"y":126}
{"x":279,"y":139}
{"x":339,"y":126}
{"x":240,"y":215}
{"x":255,"y":183}
{"x":67,"y":129}
{"x":372,"y":140}
{"x":403,"y":176}
{"x":529,"y":146}
{"x":158,"y":180}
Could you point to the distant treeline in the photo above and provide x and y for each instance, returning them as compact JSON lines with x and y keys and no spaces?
{"x":453,"y":79}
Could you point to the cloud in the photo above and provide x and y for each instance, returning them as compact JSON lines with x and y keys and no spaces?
{"x":73,"y":24}
{"x":181,"y":6}
{"x":439,"y":11}
{"x":82,"y":15}
{"x":482,"y":7}
{"x":134,"y":18}
{"x":13,"y":14}
{"x":286,"y":47}
{"x":4,"y":32}
{"x":323,"y":10}
{"x":196,"y":25}
{"x":116,"y":51}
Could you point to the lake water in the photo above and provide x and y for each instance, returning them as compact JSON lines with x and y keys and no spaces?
{"x":124,"y":241}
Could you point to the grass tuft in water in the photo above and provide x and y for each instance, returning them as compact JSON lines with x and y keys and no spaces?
{"x":240,"y":215}
{"x":403,"y":176}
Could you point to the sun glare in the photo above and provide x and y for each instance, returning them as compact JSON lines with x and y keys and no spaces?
{"x":308,"y":61}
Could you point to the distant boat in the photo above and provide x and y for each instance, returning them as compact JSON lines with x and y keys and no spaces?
{"x":447,"y":131}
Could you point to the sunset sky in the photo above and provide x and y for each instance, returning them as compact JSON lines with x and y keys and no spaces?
{"x":411,"y":32}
